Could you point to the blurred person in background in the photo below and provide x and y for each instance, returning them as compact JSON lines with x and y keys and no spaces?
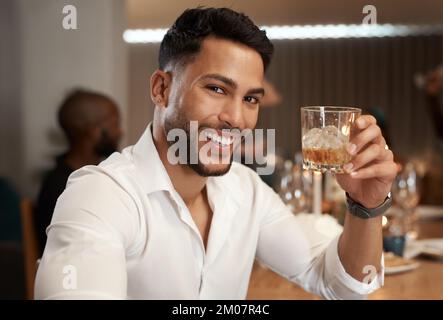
{"x":432,"y":165}
{"x":91,"y":124}
{"x":382,"y":122}
{"x":433,"y":88}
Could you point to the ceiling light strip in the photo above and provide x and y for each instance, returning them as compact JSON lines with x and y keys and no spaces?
{"x":308,"y":32}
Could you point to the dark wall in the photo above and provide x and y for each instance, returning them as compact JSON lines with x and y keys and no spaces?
{"x":368,"y":73}
{"x":10,"y":123}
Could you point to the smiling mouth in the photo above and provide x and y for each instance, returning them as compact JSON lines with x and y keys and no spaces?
{"x":222,"y":141}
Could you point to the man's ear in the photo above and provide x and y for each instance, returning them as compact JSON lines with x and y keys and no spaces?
{"x":160,"y":86}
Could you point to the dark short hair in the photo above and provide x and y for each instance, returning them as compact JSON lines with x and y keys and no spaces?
{"x":78,"y":110}
{"x":183,"y":40}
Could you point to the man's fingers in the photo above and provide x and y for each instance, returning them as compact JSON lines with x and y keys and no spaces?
{"x":387,"y":169}
{"x":370,"y":134}
{"x":371,"y":153}
{"x":365,"y":121}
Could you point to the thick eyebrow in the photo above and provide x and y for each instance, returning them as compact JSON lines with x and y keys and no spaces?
{"x":256,"y":91}
{"x":231,"y":83}
{"x":215,"y":76}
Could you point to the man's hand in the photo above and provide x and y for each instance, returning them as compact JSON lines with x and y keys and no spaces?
{"x":372,"y":169}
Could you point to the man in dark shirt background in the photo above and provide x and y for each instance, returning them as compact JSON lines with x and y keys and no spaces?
{"x":91,"y":124}
{"x":433,"y":87}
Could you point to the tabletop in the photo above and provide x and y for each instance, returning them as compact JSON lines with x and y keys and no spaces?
{"x":425,"y":282}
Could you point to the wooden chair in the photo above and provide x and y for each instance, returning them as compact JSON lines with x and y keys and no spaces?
{"x":30,"y":245}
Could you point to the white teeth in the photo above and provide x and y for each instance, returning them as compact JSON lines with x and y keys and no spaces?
{"x":224,"y":141}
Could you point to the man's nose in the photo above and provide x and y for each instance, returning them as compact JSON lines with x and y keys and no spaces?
{"x":232,"y":114}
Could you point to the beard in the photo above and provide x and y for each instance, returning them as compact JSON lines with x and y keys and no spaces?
{"x":105,"y":146}
{"x":179,"y":121}
{"x":204,"y":170}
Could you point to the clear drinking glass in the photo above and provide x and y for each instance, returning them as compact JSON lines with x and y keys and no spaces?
{"x":406,"y":194}
{"x":325,"y":131}
{"x":292,"y":187}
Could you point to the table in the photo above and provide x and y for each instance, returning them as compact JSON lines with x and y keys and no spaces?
{"x":426,"y":282}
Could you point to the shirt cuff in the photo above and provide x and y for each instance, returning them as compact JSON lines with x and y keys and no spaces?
{"x":345,"y":286}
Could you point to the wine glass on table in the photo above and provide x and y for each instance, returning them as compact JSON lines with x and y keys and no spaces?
{"x":406,"y":195}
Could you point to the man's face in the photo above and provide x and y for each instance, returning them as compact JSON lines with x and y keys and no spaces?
{"x":221,"y":89}
{"x":111,"y":132}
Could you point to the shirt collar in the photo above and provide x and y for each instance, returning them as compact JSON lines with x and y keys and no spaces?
{"x":154,"y":176}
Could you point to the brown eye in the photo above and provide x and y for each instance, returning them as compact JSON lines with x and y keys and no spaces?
{"x":252,"y":100}
{"x":216,"y":89}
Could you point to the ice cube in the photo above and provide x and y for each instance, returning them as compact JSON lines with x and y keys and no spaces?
{"x":328,"y":137}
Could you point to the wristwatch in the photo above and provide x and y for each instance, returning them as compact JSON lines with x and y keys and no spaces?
{"x":356,"y":209}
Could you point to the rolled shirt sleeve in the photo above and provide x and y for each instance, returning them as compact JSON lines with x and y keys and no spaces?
{"x":304,"y":249}
{"x":344,"y":285}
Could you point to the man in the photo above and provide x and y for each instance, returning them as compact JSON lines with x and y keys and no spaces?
{"x":433,"y":86}
{"x":91,"y":124}
{"x":139,"y":226}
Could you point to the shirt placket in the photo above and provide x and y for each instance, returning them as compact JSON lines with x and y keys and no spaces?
{"x":199,"y":249}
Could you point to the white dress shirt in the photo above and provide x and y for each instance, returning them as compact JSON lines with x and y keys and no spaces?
{"x":121,"y":231}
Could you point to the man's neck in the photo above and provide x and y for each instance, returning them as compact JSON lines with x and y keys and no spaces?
{"x":186,"y":181}
{"x":79,"y":156}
